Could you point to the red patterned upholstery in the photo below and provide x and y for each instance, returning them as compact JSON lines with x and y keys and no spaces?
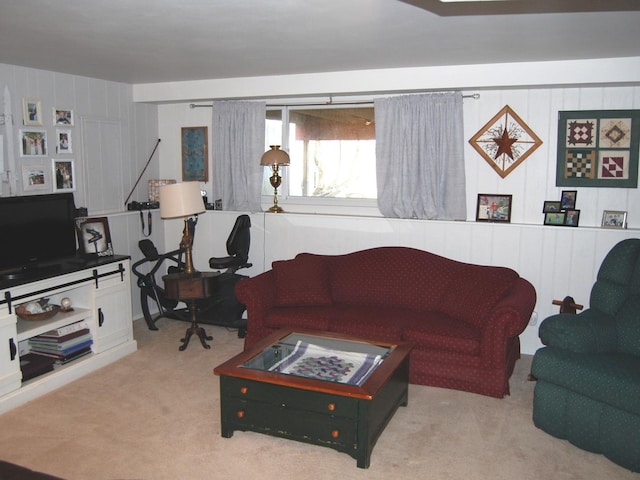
{"x":463,"y":319}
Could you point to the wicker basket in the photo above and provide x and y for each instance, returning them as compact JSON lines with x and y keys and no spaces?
{"x":24,"y":315}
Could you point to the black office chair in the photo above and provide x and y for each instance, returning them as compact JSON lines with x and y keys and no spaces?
{"x":237,"y":247}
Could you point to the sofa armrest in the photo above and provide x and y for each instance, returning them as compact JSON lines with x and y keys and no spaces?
{"x":257,"y":294}
{"x":590,"y":331}
{"x":508,"y":318}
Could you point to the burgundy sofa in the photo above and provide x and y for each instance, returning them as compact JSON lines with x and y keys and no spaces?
{"x":463,"y":319}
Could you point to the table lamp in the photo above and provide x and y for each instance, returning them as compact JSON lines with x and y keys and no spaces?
{"x":182,"y":200}
{"x":275,"y":158}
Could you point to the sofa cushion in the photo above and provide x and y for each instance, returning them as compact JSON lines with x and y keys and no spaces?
{"x":302,"y":281}
{"x":475,"y":290}
{"x":610,"y":378}
{"x":308,"y":317}
{"x":391,"y":277}
{"x":441,"y":332}
{"x":376,"y":323}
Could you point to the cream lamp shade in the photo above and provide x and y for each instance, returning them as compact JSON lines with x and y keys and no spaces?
{"x":181,"y":200}
{"x":275,"y":156}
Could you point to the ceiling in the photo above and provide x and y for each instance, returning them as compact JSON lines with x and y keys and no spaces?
{"x":148,"y":41}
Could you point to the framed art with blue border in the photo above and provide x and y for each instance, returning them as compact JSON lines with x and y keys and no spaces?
{"x":598,"y":148}
{"x":194,"y":154}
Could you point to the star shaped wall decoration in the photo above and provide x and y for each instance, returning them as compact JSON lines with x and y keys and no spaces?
{"x":505,"y":141}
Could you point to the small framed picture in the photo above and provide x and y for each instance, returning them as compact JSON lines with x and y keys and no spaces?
{"x":33,"y":143}
{"x":493,"y":208}
{"x":62,"y":116}
{"x":94,"y":237}
{"x":614,"y":219}
{"x":34,"y":178}
{"x":568,"y":199}
{"x":571,"y":218}
{"x":63,"y":141}
{"x":31,"y":111}
{"x":557,"y":218}
{"x":63,"y":175}
{"x":551,"y":207}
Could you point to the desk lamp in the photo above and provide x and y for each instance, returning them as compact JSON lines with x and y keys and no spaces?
{"x":275,"y":158}
{"x":182,"y":200}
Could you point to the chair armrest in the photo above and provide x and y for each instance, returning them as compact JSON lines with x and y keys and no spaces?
{"x":591,"y":331}
{"x":508,"y":318}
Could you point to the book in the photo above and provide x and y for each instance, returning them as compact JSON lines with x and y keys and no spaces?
{"x":66,"y":329}
{"x":64,"y":338}
{"x":61,"y":352}
{"x":74,"y":356}
{"x":33,"y":365}
{"x":36,"y":342}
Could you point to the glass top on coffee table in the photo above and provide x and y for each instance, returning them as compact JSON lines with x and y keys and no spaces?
{"x":320,"y":358}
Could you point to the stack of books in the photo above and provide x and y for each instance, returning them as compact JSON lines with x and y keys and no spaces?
{"x":64,"y":344}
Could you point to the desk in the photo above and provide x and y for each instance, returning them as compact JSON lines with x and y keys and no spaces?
{"x":189,"y":288}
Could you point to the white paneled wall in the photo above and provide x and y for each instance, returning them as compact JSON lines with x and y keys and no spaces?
{"x":558,"y":261}
{"x":105,"y":168}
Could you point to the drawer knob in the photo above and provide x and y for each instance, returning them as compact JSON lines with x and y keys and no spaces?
{"x":331,"y":407}
{"x":335,"y":433}
{"x":240,"y":414}
{"x":244,"y":390}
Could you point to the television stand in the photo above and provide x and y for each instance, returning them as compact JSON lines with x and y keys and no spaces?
{"x":100,"y":295}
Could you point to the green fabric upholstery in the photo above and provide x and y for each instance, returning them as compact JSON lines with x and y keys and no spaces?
{"x":588,"y":373}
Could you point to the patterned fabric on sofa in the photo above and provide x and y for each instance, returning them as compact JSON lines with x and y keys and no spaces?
{"x":463,"y":319}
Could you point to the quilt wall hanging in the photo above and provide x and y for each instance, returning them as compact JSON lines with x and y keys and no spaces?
{"x":505,"y":141}
{"x":598,"y":148}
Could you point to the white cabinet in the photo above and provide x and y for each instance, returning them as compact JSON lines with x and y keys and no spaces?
{"x":100,"y":296}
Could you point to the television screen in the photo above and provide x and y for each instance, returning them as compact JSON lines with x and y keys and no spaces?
{"x":36,"y":229}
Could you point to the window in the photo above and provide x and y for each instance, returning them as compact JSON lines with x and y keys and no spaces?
{"x":332,"y":150}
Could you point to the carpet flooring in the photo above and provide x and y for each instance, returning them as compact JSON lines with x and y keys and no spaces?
{"x":154,"y":415}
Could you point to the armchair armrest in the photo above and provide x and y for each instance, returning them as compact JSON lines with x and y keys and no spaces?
{"x":591,"y":331}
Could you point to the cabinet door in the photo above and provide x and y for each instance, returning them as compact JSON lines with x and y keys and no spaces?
{"x":113,"y":314}
{"x":10,"y":375}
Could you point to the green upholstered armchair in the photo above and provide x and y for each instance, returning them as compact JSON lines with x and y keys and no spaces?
{"x":588,"y":373}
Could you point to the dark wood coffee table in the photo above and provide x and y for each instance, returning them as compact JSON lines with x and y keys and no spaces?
{"x":291,"y":403}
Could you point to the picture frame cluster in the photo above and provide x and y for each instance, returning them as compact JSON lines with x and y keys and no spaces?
{"x":34,"y":147}
{"x":562,"y":212}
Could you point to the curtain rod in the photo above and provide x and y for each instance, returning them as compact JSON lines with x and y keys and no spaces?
{"x":475,"y":96}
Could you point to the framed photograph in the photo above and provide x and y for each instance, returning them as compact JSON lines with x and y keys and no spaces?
{"x":62,"y":116}
{"x":34,"y":178}
{"x":598,"y":148}
{"x":194,"y":154}
{"x":557,"y":218}
{"x":571,"y":218}
{"x":64,"y":179}
{"x":614,"y":219}
{"x":568,"y":199}
{"x":33,"y":143}
{"x":94,"y":237}
{"x":31,"y":111}
{"x":551,"y":207}
{"x":493,"y":208}
{"x":63,"y":141}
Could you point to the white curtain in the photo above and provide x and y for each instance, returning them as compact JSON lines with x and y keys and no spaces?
{"x":238,"y":137}
{"x":419,"y":155}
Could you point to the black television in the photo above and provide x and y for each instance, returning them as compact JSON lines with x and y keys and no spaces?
{"x":36,"y":231}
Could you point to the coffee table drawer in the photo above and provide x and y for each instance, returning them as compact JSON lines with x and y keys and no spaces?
{"x":284,"y":421}
{"x":289,"y":397}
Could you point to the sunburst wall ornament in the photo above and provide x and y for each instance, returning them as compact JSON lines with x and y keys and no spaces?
{"x":505,"y":141}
